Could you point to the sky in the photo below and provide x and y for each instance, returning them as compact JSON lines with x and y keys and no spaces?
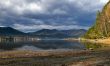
{"x":33,"y":15}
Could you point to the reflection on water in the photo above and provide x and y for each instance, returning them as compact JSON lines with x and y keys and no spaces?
{"x":47,"y":45}
{"x":89,"y":45}
{"x":26,"y":47}
{"x":42,"y":44}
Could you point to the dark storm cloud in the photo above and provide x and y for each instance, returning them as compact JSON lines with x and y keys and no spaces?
{"x":50,"y":14}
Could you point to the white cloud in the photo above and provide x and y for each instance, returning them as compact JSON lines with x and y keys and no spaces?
{"x":21,"y":6}
{"x":49,"y":14}
{"x":89,"y":5}
{"x":59,"y":11}
{"x":104,"y":1}
{"x":41,"y":6}
{"x":34,"y":7}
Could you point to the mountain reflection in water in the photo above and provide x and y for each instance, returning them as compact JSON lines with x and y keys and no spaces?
{"x":46,"y":45}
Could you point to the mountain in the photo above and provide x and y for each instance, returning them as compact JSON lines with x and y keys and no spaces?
{"x":101,"y":28}
{"x":10,"y":31}
{"x":44,"y":33}
{"x":75,"y":32}
{"x":59,"y":33}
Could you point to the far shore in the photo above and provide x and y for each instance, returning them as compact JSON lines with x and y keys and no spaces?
{"x":105,"y":41}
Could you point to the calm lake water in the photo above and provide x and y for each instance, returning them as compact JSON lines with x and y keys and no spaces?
{"x":46,"y":45}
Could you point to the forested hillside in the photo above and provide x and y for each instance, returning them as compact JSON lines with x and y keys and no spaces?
{"x":101,"y":28}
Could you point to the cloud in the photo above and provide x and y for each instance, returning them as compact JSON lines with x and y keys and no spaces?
{"x":49,"y":6}
{"x":89,"y":5}
{"x":36,"y":14}
{"x":20,"y":6}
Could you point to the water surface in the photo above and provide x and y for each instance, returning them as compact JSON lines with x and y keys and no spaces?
{"x":47,"y":45}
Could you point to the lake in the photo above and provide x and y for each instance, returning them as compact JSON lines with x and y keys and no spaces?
{"x":47,"y":45}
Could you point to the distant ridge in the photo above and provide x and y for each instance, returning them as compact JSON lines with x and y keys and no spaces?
{"x":44,"y":33}
{"x":9,"y":31}
{"x":73,"y":33}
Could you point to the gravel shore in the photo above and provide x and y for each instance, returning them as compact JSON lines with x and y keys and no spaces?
{"x":56,"y":58}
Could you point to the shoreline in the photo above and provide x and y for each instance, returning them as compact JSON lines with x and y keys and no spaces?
{"x":98,"y":41}
{"x":41,"y":53}
{"x":55,"y":58}
{"x":105,"y":41}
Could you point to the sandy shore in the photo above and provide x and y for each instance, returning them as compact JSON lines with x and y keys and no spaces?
{"x":62,"y":53}
{"x":100,"y":41}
